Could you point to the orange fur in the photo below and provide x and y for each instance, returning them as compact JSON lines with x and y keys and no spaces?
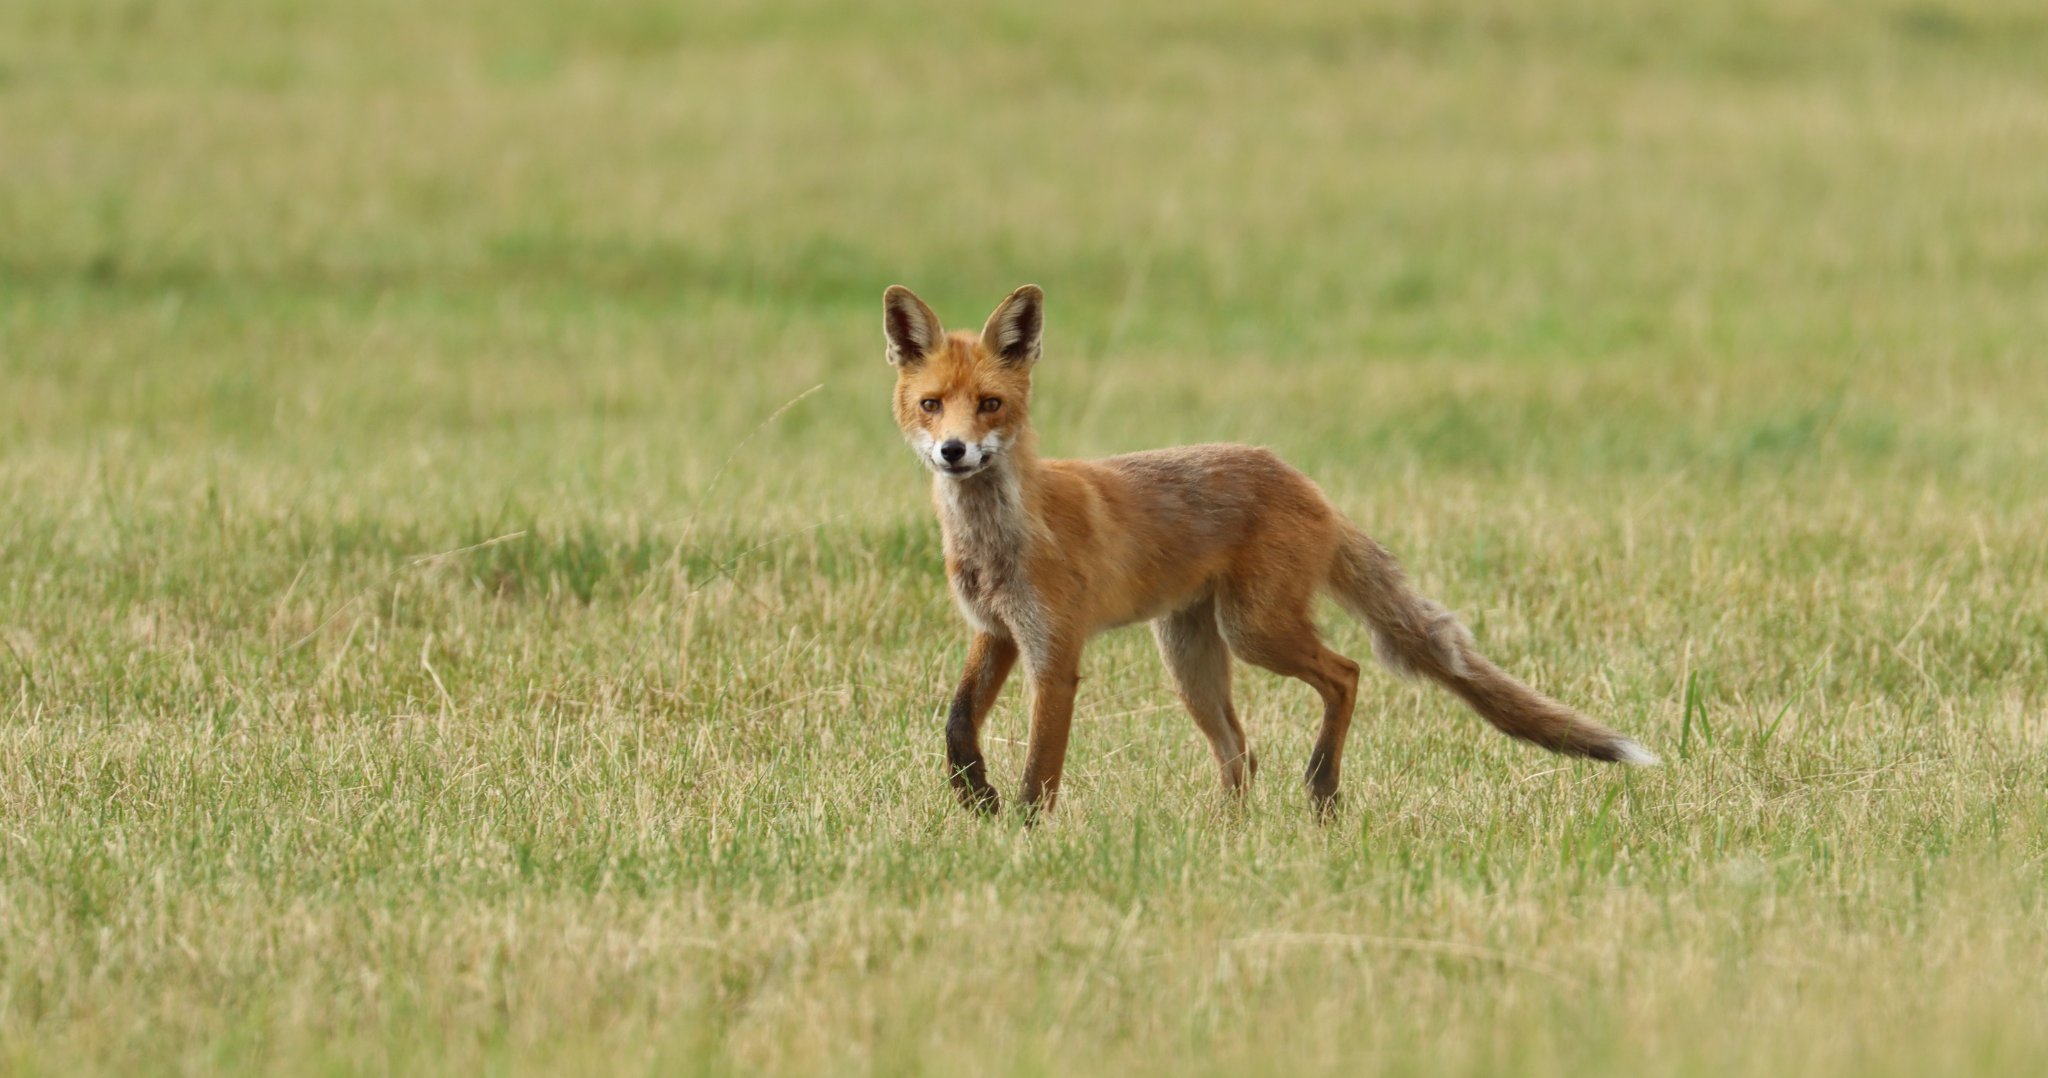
{"x":1222,"y":547}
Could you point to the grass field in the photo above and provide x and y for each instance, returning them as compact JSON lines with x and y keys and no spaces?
{"x":464,"y":603}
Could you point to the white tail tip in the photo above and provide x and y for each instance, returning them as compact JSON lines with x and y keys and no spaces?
{"x":1633,"y":754}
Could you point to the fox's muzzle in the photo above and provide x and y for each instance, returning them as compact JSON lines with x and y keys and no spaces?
{"x":957,"y":457}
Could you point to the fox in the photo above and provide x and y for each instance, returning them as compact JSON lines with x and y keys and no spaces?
{"x":1222,"y":548}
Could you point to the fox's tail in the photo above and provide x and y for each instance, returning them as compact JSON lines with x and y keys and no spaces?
{"x":1413,"y":635}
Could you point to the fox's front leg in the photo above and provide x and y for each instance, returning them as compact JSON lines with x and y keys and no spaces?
{"x":989,"y":659}
{"x":1053,"y":681}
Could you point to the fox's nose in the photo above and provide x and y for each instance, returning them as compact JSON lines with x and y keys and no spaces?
{"x":953,"y":450}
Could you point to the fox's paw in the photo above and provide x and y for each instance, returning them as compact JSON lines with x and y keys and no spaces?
{"x":970,"y":784}
{"x":1324,"y":804}
{"x":979,"y":800}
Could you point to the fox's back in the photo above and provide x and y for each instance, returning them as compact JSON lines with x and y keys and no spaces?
{"x":1222,"y":484}
{"x":1191,"y":500}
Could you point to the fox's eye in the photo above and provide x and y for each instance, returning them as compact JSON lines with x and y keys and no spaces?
{"x":990,"y":404}
{"x":929,"y":404}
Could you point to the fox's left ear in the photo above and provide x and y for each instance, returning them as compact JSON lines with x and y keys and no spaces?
{"x":1013,"y":332}
{"x":909,"y":326}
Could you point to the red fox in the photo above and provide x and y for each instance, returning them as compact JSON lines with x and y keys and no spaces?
{"x":1221,"y":547}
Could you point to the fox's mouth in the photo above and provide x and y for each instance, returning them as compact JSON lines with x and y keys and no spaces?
{"x":963,"y":470}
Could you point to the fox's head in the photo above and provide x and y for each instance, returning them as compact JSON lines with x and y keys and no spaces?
{"x":962,"y":400}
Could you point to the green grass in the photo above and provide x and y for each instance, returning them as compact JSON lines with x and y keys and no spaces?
{"x":464,"y":604}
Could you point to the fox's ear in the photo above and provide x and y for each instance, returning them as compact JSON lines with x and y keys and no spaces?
{"x":1013,"y":331}
{"x":911,"y":327}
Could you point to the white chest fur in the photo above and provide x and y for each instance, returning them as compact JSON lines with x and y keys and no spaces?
{"x":988,"y":538}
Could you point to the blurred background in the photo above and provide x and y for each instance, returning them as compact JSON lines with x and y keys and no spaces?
{"x":1557,"y":239}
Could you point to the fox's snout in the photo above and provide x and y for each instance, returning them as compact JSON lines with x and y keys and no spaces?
{"x":958,"y":457}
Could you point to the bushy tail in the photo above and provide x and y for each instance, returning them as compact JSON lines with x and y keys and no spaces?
{"x":1413,"y":635}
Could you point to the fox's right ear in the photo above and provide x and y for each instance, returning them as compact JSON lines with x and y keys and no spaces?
{"x":911,"y":327}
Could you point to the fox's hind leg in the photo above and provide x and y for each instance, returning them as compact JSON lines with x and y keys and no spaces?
{"x":1270,"y":627}
{"x":1192,"y":645}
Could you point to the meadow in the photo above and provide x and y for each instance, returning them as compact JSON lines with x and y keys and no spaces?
{"x":465,"y":605}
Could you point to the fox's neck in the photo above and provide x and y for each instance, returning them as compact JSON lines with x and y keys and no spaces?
{"x":987,"y":519}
